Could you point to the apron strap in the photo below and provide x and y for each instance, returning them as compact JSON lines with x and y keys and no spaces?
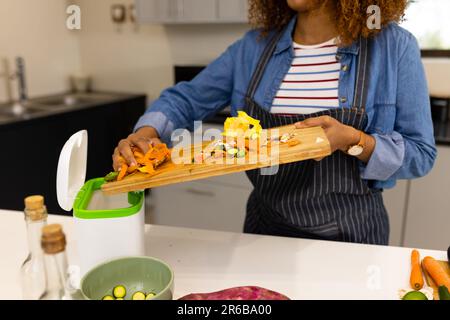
{"x":261,"y":66}
{"x":362,"y":77}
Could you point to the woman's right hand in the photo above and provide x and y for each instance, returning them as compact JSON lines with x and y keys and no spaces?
{"x":140,"y":139}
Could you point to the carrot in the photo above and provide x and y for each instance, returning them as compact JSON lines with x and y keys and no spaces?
{"x":146,"y":163}
{"x":122,"y":172}
{"x":132,"y":169}
{"x":436,"y":272}
{"x":293,"y":142}
{"x":122,"y":160}
{"x":416,"y":278}
{"x":141,"y":161}
{"x":138,"y":154}
{"x":149,"y":154}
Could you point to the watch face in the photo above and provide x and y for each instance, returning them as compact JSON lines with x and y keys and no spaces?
{"x":355,"y":150}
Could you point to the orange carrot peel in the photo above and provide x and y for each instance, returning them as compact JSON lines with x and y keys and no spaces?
{"x":146,"y":163}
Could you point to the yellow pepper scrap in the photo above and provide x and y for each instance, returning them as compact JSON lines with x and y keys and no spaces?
{"x":147,"y":169}
{"x":242,"y":124}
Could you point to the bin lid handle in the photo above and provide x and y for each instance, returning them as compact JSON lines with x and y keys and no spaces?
{"x":71,"y":172}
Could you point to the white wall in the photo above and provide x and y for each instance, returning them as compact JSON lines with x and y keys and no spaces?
{"x":37,"y":31}
{"x":130,"y":59}
{"x":142,"y":59}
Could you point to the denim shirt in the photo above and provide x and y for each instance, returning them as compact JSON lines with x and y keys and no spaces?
{"x":398,"y":104}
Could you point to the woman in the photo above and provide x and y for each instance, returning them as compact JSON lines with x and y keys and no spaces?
{"x":316,"y":63}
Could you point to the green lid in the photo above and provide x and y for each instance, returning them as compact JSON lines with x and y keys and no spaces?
{"x":84,"y":196}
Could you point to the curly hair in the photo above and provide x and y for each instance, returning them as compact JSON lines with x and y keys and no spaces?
{"x":350,"y":16}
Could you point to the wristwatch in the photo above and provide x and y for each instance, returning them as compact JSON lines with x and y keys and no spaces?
{"x":357,"y":149}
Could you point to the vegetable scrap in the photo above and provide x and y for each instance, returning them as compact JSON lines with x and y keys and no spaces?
{"x":242,"y":134}
{"x":220,"y":150}
{"x":147,"y":163}
{"x":243,"y":124}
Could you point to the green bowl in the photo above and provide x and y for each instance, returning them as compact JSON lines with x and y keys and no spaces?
{"x":144,"y":274}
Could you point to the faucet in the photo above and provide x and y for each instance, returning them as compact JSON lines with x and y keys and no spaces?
{"x":18,"y":107}
{"x":6,"y":74}
{"x":20,"y":73}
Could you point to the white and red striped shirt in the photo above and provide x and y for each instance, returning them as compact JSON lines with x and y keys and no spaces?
{"x":311,"y":84}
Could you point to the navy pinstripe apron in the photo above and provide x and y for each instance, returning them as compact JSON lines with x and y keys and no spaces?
{"x":324,"y":199}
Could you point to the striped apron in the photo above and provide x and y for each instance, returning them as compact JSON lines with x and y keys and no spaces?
{"x":324,"y":199}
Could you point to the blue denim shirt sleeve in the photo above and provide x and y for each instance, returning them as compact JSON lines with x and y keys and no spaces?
{"x":409,"y":151}
{"x":180,"y":105}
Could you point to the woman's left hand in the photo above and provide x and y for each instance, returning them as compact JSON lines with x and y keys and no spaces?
{"x":340,"y":135}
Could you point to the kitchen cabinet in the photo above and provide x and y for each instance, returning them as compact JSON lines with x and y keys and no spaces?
{"x":232,"y":10}
{"x":215,"y":204}
{"x":219,"y":203}
{"x":196,"y":11}
{"x":156,"y":11}
{"x":428,"y":220}
{"x":191,"y":11}
{"x":395,"y":202}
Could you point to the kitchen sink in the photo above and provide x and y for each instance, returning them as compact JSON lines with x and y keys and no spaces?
{"x":20,"y":110}
{"x":43,"y":106}
{"x":73,"y":99}
{"x":6,"y":118}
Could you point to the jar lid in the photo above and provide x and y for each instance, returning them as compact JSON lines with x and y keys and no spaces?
{"x":34,"y":202}
{"x":35,"y":209}
{"x":53,"y":239}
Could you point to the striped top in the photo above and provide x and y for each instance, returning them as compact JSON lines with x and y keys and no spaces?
{"x":311,"y":84}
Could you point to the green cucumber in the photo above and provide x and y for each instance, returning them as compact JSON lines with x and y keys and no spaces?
{"x":138,"y":295}
{"x":232,"y":151}
{"x":220,"y":147}
{"x":443,"y":293}
{"x":112,"y":176}
{"x":241,"y":153}
{"x":150,"y":296}
{"x":119,"y":291}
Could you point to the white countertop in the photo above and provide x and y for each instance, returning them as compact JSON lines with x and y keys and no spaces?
{"x":205,"y":261}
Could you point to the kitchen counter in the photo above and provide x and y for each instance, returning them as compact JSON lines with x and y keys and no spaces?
{"x":57,"y":104}
{"x":205,"y":261}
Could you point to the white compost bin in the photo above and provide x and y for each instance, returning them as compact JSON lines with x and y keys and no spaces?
{"x":106,"y":226}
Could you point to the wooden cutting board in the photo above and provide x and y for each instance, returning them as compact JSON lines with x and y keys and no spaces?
{"x":446,"y":266}
{"x":313,"y":144}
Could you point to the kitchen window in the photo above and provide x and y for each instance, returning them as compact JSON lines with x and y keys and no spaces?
{"x":428,"y":21}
